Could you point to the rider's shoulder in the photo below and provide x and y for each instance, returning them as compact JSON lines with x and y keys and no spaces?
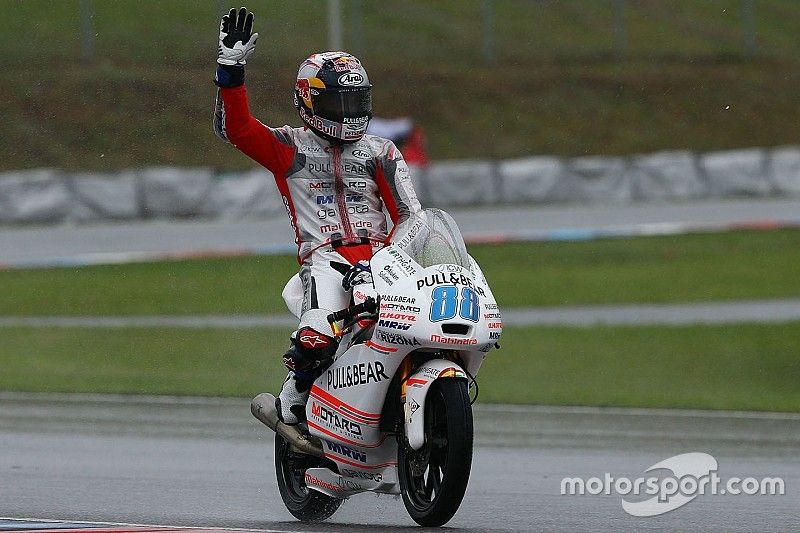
{"x":378,"y":146}
{"x":299,"y":136}
{"x":290,"y":130}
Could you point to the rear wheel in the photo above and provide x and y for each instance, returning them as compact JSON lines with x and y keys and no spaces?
{"x":305,"y":504}
{"x":433,"y":480}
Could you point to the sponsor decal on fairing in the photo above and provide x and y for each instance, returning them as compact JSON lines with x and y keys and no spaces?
{"x":411,"y":234}
{"x":344,"y":451}
{"x":371,"y":476}
{"x":450,"y":340}
{"x":400,"y":316}
{"x":413,"y":406}
{"x":449,"y":268}
{"x":398,"y":299}
{"x":452,"y":279}
{"x":404,"y":262}
{"x":391,"y":273}
{"x":313,"y":480}
{"x":393,"y":324}
{"x":399,"y":307}
{"x":358,"y":374}
{"x":332,"y":420}
{"x":348,"y":484}
{"x":396,"y":338}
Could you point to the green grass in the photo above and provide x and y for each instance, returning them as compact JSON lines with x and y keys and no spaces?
{"x":741,"y":366}
{"x":143,"y":361}
{"x":229,"y":286}
{"x":554,"y":87}
{"x":685,"y":268}
{"x":701,"y":267}
{"x":721,"y":367}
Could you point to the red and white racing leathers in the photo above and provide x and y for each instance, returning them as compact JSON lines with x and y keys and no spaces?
{"x":334,"y":194}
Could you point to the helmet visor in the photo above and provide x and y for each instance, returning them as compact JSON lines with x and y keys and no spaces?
{"x":339,"y":104}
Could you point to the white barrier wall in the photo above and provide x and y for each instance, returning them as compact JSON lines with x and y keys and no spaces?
{"x":666,"y":176}
{"x":737,"y":173}
{"x":37,"y":196}
{"x":784,"y":168}
{"x":48,"y":196}
{"x":530,"y":180}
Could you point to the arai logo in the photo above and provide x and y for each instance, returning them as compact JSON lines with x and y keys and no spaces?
{"x":351,"y":78}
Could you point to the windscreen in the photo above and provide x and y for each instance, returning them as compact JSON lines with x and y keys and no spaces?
{"x":431,"y":238}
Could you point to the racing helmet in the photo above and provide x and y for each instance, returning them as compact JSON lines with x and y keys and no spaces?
{"x":333,"y":96}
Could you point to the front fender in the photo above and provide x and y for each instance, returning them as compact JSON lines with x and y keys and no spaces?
{"x":417,"y":387}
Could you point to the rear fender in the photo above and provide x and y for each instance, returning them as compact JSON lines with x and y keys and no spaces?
{"x":417,"y":387}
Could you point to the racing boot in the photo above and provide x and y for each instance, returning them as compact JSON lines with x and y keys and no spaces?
{"x":291,"y":403}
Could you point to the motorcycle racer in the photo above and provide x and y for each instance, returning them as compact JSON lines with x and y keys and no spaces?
{"x":334,"y":179}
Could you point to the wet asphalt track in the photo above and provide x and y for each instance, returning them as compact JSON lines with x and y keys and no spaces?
{"x":207,"y":462}
{"x":104,"y":242}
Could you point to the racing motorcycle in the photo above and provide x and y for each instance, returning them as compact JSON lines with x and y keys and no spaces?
{"x":392,"y":413}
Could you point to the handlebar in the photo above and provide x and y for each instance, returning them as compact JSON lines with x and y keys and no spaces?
{"x":369,"y":306}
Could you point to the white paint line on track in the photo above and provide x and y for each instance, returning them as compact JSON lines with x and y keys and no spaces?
{"x":496,"y":408}
{"x":127,"y":524}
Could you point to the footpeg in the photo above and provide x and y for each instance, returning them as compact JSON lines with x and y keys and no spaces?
{"x":263,"y":408}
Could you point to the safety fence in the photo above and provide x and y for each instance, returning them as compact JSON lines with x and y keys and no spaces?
{"x":45,"y":196}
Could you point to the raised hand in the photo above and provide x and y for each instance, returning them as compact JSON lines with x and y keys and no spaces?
{"x":236,"y":38}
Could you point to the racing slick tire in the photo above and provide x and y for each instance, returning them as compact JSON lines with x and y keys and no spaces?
{"x":307,"y":505}
{"x":433,"y":480}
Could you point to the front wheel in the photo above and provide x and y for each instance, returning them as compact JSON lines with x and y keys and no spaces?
{"x":433,"y":480}
{"x":305,"y":504}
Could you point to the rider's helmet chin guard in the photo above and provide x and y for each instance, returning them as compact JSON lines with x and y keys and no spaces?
{"x":334,"y":97}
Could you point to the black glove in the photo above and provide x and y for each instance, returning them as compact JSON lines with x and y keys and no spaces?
{"x":358,"y":274}
{"x":236,"y":43}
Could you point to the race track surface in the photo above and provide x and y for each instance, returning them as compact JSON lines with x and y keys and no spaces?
{"x":207,"y":462}
{"x":128,"y":241}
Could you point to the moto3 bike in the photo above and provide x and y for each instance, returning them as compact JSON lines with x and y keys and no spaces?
{"x":392,"y":413}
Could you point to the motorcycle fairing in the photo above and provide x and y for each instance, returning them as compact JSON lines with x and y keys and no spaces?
{"x":340,"y":486}
{"x":345,"y":403}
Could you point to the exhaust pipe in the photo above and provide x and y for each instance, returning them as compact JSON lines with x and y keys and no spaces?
{"x":263,"y":408}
